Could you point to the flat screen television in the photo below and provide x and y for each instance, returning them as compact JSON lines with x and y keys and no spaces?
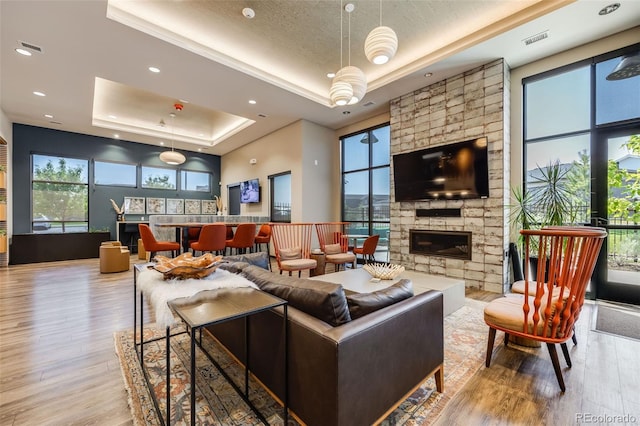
{"x":250,"y":191}
{"x":455,"y":171}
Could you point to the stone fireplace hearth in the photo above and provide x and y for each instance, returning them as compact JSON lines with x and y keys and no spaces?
{"x":451,"y":244}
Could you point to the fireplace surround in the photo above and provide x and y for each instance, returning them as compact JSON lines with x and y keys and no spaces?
{"x":451,"y":244}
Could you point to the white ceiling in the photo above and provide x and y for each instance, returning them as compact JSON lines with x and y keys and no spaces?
{"x":95,"y":58}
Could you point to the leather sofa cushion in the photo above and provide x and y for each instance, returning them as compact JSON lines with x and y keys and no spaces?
{"x":260,"y":259}
{"x":325,"y":301}
{"x":361,"y":304}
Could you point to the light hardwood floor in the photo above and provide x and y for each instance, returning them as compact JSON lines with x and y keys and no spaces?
{"x":58,"y":364}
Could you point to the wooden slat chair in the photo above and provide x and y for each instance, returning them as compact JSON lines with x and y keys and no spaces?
{"x":334,"y":244}
{"x":567,"y":256}
{"x":292,"y":245}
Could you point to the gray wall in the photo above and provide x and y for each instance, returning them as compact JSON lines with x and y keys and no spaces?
{"x":37,"y":140}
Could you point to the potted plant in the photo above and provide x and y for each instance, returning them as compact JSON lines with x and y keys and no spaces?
{"x":547,"y":202}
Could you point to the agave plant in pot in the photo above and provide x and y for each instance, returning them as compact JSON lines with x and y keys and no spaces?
{"x":547,"y":201}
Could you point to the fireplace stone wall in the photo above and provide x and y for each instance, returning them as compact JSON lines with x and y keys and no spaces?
{"x":468,"y":105}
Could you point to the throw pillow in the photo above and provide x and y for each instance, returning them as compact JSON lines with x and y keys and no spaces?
{"x":260,"y":259}
{"x":290,"y":253}
{"x":361,"y":304}
{"x":323,"y":300}
{"x":332,"y":248}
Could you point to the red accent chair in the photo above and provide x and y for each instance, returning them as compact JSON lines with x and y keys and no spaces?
{"x":368,"y":248}
{"x":212,"y":238}
{"x":152,"y":245}
{"x":263,"y":237}
{"x":243,"y":238}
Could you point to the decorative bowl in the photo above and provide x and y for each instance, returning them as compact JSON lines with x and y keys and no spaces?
{"x":383,"y":271}
{"x":186,"y":266}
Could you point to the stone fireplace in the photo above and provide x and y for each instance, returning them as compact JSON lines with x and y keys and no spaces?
{"x":451,"y":244}
{"x":468,"y":105}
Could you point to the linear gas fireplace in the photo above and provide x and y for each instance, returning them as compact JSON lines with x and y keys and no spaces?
{"x":456,"y":245}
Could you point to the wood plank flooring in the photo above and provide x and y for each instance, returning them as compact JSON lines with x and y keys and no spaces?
{"x":58,"y":364}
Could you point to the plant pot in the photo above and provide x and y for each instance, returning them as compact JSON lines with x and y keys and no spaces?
{"x":3,"y":179}
{"x":3,"y":211}
{"x":120,"y":217}
{"x":3,"y":243}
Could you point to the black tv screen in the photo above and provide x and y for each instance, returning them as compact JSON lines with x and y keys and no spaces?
{"x":454,"y":171}
{"x":250,"y":191}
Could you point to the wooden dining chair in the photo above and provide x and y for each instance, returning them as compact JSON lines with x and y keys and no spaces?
{"x":292,"y":245}
{"x":243,"y":238}
{"x":212,"y":238}
{"x":368,"y":249}
{"x":566,"y":257}
{"x":152,"y":245}
{"x":334,"y":244}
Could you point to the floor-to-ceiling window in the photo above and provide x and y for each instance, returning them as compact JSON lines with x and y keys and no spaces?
{"x":586,"y":118}
{"x":280,"y":200}
{"x":365,"y":184}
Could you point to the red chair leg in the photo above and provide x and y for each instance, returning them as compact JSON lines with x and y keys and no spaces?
{"x":556,"y":364}
{"x":490,"y":341}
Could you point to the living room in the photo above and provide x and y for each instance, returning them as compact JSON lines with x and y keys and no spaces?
{"x":311,"y":152}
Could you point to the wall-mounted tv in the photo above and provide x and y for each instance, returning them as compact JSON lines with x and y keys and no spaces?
{"x":455,"y":171}
{"x":250,"y":191}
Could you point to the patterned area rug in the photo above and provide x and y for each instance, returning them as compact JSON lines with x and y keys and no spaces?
{"x":218,"y":404}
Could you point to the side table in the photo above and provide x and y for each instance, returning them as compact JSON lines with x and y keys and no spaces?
{"x":320,"y":267}
{"x":226,"y":305}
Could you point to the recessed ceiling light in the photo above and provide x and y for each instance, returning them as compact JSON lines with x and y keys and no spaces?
{"x":199,"y":149}
{"x":39,"y":93}
{"x":116,"y":136}
{"x":113,"y":116}
{"x":48,"y":116}
{"x":200,"y":134}
{"x":252,"y":101}
{"x":428,"y":74}
{"x":24,"y":52}
{"x":346,"y":112}
{"x":154,"y":69}
{"x":609,"y":9}
{"x":161,"y":143}
{"x":184,"y":101}
{"x":331,"y":74}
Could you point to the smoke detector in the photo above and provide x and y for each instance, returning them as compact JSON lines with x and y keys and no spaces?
{"x":248,"y":13}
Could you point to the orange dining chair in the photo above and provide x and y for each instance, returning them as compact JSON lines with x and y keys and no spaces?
{"x":566,"y":257}
{"x":152,"y":245}
{"x":243,"y":238}
{"x":263,"y":237}
{"x":212,"y":238}
{"x":292,"y":245}
{"x":334,"y":244}
{"x":368,"y":249}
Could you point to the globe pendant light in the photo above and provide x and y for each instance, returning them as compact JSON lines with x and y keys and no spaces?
{"x":172,"y":157}
{"x":340,"y":91}
{"x":381,"y":44}
{"x":350,"y":74}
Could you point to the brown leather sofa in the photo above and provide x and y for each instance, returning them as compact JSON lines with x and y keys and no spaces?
{"x":345,"y":375}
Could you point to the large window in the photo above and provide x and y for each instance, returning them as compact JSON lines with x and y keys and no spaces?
{"x":365,"y":183}
{"x":158,"y":178}
{"x":116,"y":174}
{"x":280,"y":185}
{"x":59,"y":194}
{"x":195,"y":181}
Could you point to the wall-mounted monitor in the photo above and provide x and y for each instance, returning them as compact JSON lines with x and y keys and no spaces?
{"x":250,"y":191}
{"x":455,"y":171}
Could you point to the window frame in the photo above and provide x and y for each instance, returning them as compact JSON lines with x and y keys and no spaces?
{"x":272,"y":196}
{"x":135,"y":165}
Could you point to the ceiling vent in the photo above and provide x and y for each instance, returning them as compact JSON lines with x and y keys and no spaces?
{"x":536,"y":38}
{"x":32,"y":47}
{"x":368,"y":104}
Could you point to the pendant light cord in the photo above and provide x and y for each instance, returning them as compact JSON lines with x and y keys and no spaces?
{"x":349,"y":38}
{"x":341,"y":36}
{"x":380,"y":12}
